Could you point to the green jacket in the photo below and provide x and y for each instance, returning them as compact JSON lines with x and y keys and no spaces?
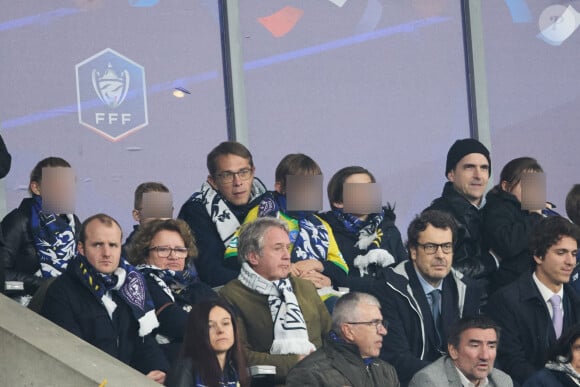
{"x":256,"y":329}
{"x":340,"y":364}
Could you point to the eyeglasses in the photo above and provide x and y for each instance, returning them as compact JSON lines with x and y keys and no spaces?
{"x":165,"y":251}
{"x":228,"y":177}
{"x":376,"y":323}
{"x":431,"y":248}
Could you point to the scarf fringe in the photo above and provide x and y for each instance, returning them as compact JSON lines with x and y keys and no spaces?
{"x":380,"y":257}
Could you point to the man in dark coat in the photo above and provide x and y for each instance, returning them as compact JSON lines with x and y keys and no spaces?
{"x":422,"y":297}
{"x":468,"y":169}
{"x":540,"y":305}
{"x":349,"y":356}
{"x":220,"y":207}
{"x":105,"y":302}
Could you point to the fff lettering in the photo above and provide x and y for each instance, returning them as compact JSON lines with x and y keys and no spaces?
{"x":112,"y":118}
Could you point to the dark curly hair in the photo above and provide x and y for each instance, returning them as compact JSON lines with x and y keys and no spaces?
{"x":549,"y":231}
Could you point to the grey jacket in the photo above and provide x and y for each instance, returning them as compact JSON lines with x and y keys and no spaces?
{"x":340,"y":364}
{"x":443,"y":373}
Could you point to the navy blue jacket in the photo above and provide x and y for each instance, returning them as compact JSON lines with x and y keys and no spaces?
{"x":526,"y":327}
{"x":210,"y":263}
{"x":346,"y":240}
{"x":71,"y":305}
{"x":549,"y":378}
{"x":411,"y":342}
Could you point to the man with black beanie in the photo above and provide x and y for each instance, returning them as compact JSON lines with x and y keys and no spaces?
{"x":467,"y":170}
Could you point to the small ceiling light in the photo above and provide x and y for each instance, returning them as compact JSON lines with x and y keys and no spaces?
{"x":179,"y":92}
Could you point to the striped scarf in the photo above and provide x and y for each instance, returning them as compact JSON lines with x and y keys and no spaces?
{"x":127,"y":283}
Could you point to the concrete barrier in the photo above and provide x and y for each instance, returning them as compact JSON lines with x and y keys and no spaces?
{"x":36,"y":352}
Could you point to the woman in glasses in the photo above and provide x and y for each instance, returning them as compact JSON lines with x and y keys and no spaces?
{"x":160,"y":250}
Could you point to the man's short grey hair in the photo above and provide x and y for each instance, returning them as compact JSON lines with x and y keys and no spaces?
{"x":251,"y":238}
{"x":346,"y":308}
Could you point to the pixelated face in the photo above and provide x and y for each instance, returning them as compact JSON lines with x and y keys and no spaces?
{"x":233,"y":179}
{"x":368,"y":337}
{"x":470,"y":177}
{"x":304,"y":192}
{"x":102,"y":246}
{"x":476,"y":353}
{"x":58,"y":190}
{"x":361,"y":196}
{"x":170,"y":253}
{"x":273,"y":262}
{"x":155,"y":205}
{"x":556,"y":266}
{"x":221,"y":330}
{"x":433,"y":267}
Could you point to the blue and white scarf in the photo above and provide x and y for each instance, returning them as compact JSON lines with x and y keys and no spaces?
{"x":54,"y":239}
{"x":312,"y":239}
{"x":370,"y":236}
{"x":218,"y":210}
{"x":290,"y":331}
{"x":170,"y":281}
{"x":127,"y":283}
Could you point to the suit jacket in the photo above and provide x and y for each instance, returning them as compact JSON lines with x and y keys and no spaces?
{"x":443,"y":373}
{"x":527,"y":330}
{"x":411,"y":343}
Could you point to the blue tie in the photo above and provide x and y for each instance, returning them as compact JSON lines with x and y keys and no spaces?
{"x":436,"y":311}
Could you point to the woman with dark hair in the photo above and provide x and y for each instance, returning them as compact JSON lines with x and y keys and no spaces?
{"x":507,"y":227}
{"x":367,"y":241}
{"x":211,"y":355}
{"x":563,"y":366}
{"x":161,"y":250}
{"x":38,"y":244}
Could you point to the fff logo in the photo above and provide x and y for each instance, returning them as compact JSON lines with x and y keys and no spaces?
{"x":111,"y":95}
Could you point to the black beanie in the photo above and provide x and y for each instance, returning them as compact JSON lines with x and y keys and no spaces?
{"x":462,"y":148}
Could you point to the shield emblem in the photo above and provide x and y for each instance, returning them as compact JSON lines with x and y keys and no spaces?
{"x":111,"y":87}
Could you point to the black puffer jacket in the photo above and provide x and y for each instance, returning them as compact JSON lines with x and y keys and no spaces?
{"x":19,"y":252}
{"x":507,"y":230}
{"x":470,"y":256}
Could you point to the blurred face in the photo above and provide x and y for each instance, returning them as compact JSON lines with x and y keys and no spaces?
{"x":555,"y":268}
{"x":221,"y":330}
{"x":57,"y":189}
{"x":273,"y":262}
{"x":233,"y":179}
{"x":303,"y":192}
{"x":470,"y":176}
{"x":102,"y":246}
{"x":433,"y":267}
{"x":476,"y":353}
{"x":367,"y":337}
{"x":575,"y":355}
{"x":167,"y":239}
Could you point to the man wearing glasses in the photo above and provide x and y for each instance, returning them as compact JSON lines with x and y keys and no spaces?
{"x":424,"y":296}
{"x":217,"y":210}
{"x":349,"y":356}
